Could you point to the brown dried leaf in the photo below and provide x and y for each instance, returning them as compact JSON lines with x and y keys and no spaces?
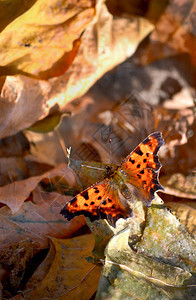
{"x":14,"y":146}
{"x":174,"y":33}
{"x":14,"y":194}
{"x":186,"y":212}
{"x":38,"y":220}
{"x":180,"y":185}
{"x":14,"y":261}
{"x":150,"y":10}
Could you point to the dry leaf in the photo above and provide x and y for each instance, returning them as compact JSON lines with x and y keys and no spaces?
{"x":174,"y":33}
{"x":159,"y":260}
{"x":38,"y":220}
{"x":13,"y":10}
{"x":106,"y":42}
{"x":70,"y":275}
{"x":43,"y":41}
{"x":150,"y":10}
{"x":14,"y":146}
{"x":14,"y":261}
{"x":42,"y":270}
{"x":158,"y":263}
{"x":180,"y":185}
{"x":14,"y":194}
{"x":186,"y":212}
{"x":166,"y":239}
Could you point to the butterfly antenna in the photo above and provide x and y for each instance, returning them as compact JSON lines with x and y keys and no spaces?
{"x":92,"y":167}
{"x":111,"y":157}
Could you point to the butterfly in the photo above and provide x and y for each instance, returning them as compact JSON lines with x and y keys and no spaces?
{"x":111,"y":198}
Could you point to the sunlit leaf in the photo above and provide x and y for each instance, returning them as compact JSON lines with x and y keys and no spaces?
{"x":46,"y":47}
{"x":159,"y":263}
{"x":43,"y":41}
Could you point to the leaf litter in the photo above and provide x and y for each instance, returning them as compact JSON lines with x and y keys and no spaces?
{"x":143,"y":256}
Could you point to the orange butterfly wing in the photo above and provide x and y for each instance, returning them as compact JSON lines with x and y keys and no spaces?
{"x":106,"y":200}
{"x":100,"y":201}
{"x":141,"y":168}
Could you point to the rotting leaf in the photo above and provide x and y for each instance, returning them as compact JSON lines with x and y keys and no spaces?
{"x":70,"y":275}
{"x":122,"y":280}
{"x":14,"y":261}
{"x":133,"y":274}
{"x":166,"y":239}
{"x":102,"y":233}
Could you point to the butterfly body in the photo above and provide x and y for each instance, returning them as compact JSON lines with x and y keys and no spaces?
{"x":111,"y":198}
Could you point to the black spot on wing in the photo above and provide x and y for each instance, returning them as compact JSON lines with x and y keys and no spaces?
{"x":138,"y":151}
{"x":132,"y":160}
{"x":85,"y":195}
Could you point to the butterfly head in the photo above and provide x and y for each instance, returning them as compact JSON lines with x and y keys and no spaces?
{"x":109,"y":171}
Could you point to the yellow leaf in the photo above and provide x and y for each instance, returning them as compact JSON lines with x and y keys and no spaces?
{"x":41,"y":37}
{"x":70,"y":275}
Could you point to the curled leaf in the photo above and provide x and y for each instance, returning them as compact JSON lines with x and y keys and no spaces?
{"x":43,"y":41}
